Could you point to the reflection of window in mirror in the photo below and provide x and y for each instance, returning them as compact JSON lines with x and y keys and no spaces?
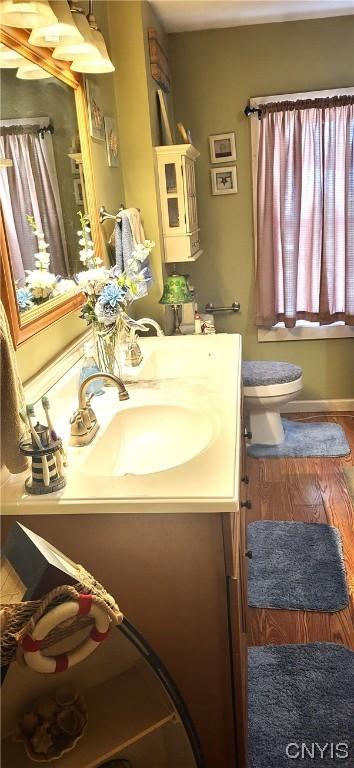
{"x":38,"y":133}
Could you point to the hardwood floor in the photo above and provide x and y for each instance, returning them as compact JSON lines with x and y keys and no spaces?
{"x":309,"y":490}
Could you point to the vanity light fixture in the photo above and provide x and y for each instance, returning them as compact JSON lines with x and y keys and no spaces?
{"x":63,"y":32}
{"x":98,"y":63}
{"x":9,"y":59}
{"x":26,"y":14}
{"x":68,"y":51}
{"x":31,"y":71}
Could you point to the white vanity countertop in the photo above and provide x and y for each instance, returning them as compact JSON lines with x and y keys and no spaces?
{"x":201,"y":373}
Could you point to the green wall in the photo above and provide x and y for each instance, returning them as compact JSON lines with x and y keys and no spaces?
{"x":137,"y":120}
{"x":214,"y":74}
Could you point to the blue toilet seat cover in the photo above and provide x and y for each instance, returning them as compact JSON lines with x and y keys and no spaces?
{"x":258,"y":373}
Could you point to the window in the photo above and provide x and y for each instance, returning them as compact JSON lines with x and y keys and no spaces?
{"x":303,"y":174}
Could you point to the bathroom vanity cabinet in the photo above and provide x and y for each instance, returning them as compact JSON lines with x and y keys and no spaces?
{"x":179,"y":579}
{"x":178,"y":202}
{"x":169,"y":545}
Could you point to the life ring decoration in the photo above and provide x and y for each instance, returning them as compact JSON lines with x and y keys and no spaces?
{"x":33,"y":643}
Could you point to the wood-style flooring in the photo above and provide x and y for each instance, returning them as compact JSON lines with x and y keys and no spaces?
{"x":314,"y":491}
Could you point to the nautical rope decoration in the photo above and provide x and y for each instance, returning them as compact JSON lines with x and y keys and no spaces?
{"x":30,"y":627}
{"x":32,"y":644}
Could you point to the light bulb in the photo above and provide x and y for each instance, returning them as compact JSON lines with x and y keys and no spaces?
{"x":26,"y":15}
{"x":63,"y":32}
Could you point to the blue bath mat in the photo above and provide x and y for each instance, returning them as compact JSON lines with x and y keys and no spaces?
{"x":300,"y":699}
{"x":296,"y":566}
{"x":305,"y":440}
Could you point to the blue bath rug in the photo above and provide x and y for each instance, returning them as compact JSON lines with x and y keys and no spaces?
{"x":300,"y":699}
{"x":296,"y":566}
{"x":305,"y":440}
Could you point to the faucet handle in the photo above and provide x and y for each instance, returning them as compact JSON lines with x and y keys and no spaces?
{"x":89,"y":411}
{"x":78,"y":425}
{"x":83,"y":426}
{"x":133,"y":357}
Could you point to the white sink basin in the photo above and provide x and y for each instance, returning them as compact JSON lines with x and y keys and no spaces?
{"x":144,"y":439}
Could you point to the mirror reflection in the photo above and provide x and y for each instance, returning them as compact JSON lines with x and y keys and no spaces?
{"x":41,"y":188}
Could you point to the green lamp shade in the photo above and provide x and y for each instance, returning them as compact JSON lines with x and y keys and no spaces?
{"x":176,"y":290}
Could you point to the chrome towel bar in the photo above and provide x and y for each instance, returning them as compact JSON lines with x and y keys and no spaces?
{"x":235,"y":307}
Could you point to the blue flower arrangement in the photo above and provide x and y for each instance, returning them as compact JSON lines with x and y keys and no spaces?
{"x":24,"y":299}
{"x":108,"y":305}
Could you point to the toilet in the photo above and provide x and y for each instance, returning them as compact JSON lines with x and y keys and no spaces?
{"x":267,"y":386}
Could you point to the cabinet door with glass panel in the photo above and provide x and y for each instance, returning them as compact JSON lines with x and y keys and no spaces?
{"x":178,"y":202}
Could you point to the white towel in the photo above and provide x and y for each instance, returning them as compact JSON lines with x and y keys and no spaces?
{"x":136,"y":225}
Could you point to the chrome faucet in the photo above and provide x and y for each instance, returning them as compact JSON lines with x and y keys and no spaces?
{"x":84,"y":424}
{"x":134,"y":355}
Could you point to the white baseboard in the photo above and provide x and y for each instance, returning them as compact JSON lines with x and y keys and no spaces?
{"x":307,"y":406}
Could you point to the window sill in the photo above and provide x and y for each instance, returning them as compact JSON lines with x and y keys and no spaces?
{"x":301,"y":333}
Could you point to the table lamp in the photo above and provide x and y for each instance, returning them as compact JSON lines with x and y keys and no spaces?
{"x":176,"y":293}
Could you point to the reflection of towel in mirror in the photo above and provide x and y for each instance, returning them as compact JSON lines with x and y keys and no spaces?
{"x":12,"y":399}
{"x":127,"y":235}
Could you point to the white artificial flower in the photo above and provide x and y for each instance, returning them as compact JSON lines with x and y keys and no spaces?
{"x":40,"y":283}
{"x":42,"y":259}
{"x":92,"y":280}
{"x":89,"y":252}
{"x":79,"y":232}
{"x":140,"y":253}
{"x":64,"y":286}
{"x":82,"y":241}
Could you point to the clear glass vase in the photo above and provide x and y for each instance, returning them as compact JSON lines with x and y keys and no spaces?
{"x":107,"y":350}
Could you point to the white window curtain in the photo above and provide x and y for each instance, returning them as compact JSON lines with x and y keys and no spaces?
{"x":305,"y":212}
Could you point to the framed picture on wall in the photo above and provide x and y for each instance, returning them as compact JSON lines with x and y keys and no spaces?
{"x":110,"y":130}
{"x":224,"y":180}
{"x":78,"y":192}
{"x":75,"y":167}
{"x":222,"y":147}
{"x":95,"y":110}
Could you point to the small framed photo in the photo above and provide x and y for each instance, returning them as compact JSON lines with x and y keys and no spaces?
{"x":95,"y":110}
{"x":75,"y":167}
{"x":110,"y":130}
{"x":222,"y":147}
{"x":224,"y":180}
{"x":78,"y":192}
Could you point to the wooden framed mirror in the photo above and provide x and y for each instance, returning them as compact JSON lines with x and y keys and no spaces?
{"x":50,"y":178}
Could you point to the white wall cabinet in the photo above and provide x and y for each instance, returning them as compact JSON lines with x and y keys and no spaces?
{"x":178,"y":201}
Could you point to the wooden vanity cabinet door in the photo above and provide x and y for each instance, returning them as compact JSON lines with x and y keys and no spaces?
{"x":235,"y":543}
{"x":238,"y":637}
{"x":245,"y":500}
